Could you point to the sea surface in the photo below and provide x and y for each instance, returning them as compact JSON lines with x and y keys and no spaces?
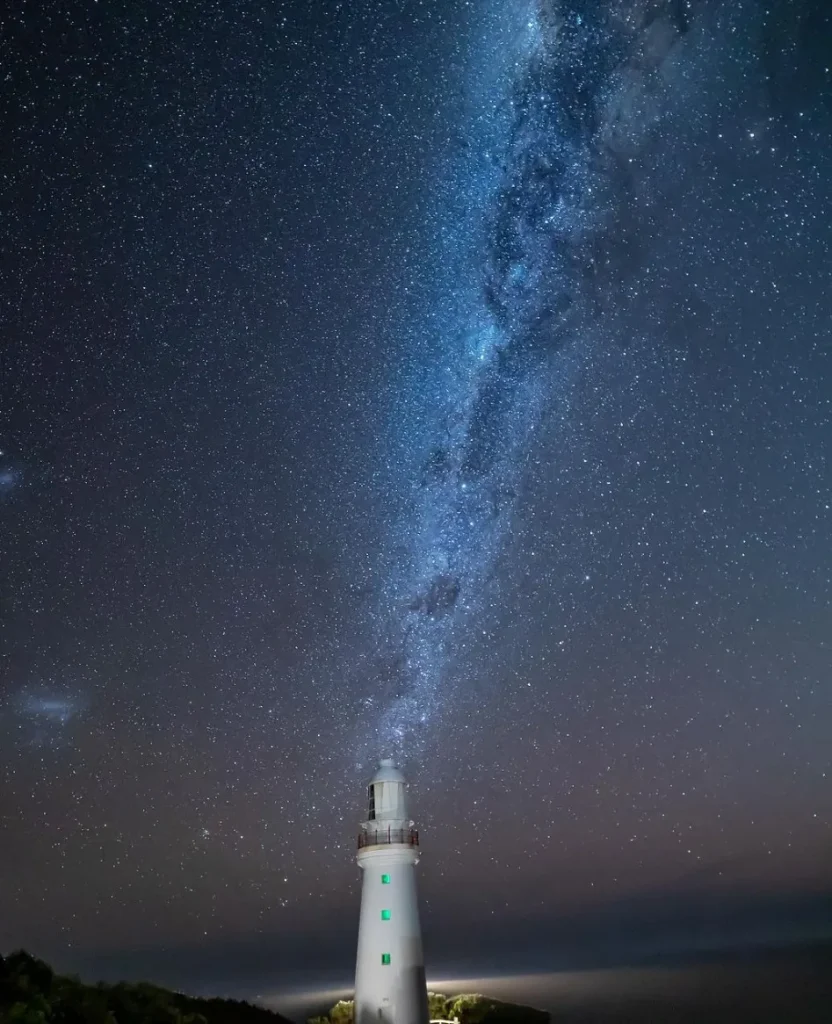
{"x":793,"y":987}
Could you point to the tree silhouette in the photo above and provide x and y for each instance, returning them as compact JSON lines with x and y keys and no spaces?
{"x":31,"y":993}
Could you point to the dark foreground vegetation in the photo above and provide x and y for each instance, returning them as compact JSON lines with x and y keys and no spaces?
{"x":31,"y":993}
{"x":466,"y":1009}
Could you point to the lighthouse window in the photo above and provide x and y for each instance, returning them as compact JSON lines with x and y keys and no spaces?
{"x":385,"y":915}
{"x":385,"y":959}
{"x":385,"y":879}
{"x":372,"y":797}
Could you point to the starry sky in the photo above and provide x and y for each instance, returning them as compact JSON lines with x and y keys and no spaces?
{"x":436,"y":379}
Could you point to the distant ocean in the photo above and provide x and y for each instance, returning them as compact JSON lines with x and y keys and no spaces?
{"x":787,"y":987}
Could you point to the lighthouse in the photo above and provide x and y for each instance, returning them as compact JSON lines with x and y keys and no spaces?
{"x":390,"y":983}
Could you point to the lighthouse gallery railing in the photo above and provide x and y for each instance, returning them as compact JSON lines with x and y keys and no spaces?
{"x":385,"y":836}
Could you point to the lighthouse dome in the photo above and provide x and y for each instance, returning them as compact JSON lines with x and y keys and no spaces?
{"x":387,"y":772}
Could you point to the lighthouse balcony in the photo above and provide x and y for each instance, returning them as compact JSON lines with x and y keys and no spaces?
{"x":388,"y":837}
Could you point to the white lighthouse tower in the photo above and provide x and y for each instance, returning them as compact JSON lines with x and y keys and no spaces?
{"x":390,"y":983}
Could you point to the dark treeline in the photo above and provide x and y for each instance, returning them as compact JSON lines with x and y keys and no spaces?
{"x":31,"y":993}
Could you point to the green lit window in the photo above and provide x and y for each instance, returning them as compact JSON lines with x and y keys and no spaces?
{"x":385,"y":959}
{"x":385,"y":879}
{"x":385,"y":915}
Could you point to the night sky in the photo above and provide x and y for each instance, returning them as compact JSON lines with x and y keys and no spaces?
{"x":439,"y":379}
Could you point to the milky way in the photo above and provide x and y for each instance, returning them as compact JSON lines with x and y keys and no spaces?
{"x":586,"y":86}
